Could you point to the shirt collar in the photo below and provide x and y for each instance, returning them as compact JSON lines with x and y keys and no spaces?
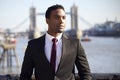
{"x":48,"y":36}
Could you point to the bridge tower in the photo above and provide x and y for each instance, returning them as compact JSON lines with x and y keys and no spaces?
{"x":74,"y":17}
{"x":75,"y":31}
{"x":32,"y":22}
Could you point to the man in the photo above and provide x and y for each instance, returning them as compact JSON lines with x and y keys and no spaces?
{"x":55,"y":60}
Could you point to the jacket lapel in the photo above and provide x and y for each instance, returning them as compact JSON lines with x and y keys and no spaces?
{"x":42,"y":52}
{"x":65,"y":42}
{"x":43,"y":56}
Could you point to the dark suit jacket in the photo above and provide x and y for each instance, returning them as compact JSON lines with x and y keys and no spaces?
{"x":72,"y":53}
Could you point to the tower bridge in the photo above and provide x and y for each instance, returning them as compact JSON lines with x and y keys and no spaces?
{"x":74,"y":31}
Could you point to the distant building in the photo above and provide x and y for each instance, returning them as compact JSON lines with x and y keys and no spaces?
{"x":109,"y":28}
{"x":2,"y":30}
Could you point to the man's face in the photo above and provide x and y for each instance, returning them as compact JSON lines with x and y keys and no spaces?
{"x":57,"y":21}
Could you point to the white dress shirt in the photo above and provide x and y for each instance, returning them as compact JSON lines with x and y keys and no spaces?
{"x":48,"y":47}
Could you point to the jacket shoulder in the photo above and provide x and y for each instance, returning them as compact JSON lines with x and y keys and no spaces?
{"x":69,"y":37}
{"x":37,"y":40}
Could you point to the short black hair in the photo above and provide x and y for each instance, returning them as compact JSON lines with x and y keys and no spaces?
{"x":51,"y":8}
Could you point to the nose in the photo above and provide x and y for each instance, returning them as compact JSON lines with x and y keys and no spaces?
{"x":61,"y":20}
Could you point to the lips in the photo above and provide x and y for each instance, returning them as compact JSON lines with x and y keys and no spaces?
{"x":61,"y":26}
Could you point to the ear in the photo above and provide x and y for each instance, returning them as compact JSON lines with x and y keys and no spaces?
{"x":47,"y":20}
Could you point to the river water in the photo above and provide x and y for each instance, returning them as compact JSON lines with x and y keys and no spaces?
{"x":103,"y":54}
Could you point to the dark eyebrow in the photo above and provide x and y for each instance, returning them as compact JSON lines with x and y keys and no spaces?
{"x":60,"y":16}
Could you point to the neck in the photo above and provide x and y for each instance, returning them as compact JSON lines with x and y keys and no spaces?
{"x":54,"y":34}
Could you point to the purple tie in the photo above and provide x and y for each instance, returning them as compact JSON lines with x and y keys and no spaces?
{"x":53,"y":54}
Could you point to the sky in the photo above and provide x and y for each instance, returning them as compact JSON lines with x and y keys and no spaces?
{"x":14,"y":14}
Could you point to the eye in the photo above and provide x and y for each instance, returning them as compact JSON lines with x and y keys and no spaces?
{"x":56,"y":17}
{"x":64,"y":17}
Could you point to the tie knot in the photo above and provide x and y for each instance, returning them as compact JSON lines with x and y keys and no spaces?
{"x":54,"y":40}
